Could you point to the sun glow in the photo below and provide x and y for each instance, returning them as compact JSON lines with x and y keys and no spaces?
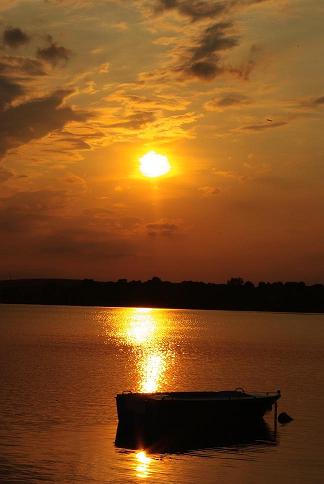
{"x":153,"y":165}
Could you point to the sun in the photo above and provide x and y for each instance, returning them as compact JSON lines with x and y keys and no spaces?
{"x":153,"y":164}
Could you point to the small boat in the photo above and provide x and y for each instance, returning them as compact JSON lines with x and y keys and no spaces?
{"x":179,"y":408}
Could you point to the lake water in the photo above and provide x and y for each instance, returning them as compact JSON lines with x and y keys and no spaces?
{"x":61,"y":368}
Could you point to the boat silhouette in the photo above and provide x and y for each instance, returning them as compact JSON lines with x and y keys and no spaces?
{"x":179,"y":422}
{"x":150,"y":409}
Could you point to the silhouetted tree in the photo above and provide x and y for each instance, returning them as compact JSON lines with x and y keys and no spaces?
{"x":235,"y":281}
{"x":236,"y":294}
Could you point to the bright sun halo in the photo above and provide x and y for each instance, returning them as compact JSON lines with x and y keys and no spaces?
{"x":153,"y":165}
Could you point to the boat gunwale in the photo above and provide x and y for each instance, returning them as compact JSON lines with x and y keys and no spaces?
{"x":201,"y":396}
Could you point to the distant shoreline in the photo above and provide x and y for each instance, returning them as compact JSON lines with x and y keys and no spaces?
{"x":162,"y":308}
{"x":235,"y":295}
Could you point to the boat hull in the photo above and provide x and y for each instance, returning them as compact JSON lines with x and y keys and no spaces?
{"x":188,"y":407}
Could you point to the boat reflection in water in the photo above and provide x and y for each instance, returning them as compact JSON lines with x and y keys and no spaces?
{"x":194,"y":436}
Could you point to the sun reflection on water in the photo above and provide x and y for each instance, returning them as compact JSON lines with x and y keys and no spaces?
{"x":142,"y":326}
{"x":143,"y":463}
{"x":153,"y":368}
{"x":145,"y":332}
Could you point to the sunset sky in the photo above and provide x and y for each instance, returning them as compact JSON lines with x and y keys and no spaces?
{"x":231,"y":92}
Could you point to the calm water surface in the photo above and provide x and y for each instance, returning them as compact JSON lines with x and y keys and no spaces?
{"x":61,"y":368}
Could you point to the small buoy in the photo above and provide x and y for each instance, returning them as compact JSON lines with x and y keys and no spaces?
{"x":284,"y":418}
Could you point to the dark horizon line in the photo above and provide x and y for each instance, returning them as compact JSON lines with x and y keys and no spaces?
{"x":236,"y":294}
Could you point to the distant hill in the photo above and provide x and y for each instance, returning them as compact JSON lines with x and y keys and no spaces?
{"x":234,"y":295}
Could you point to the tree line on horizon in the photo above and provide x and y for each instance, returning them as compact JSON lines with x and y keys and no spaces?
{"x":236,"y":294}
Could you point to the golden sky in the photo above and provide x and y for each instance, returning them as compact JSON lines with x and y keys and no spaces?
{"x":231,"y":91}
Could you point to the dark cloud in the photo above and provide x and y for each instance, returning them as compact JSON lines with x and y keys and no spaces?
{"x":14,"y":37}
{"x":308,"y":105}
{"x":14,"y":73}
{"x":206,"y":70}
{"x":233,"y":99}
{"x":250,"y":63}
{"x":205,"y":60}
{"x":227,"y":100}
{"x":164,"y":229}
{"x":194,"y":9}
{"x":197,"y":10}
{"x":9,"y":90}
{"x":214,"y":39}
{"x":136,"y":120}
{"x":34,"y":119}
{"x":263,"y":126}
{"x":67,"y":141}
{"x":20,"y":67}
{"x":319,"y":101}
{"x":54,"y":53}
